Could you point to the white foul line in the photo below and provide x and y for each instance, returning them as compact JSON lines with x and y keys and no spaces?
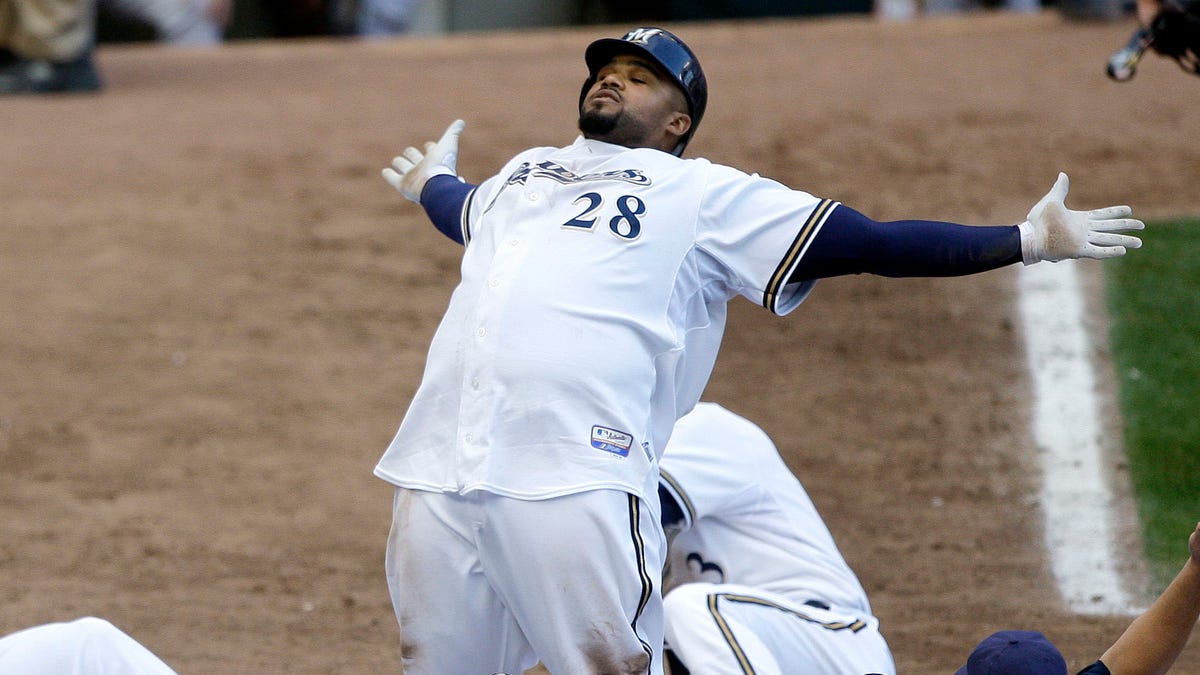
{"x":1076,"y":495}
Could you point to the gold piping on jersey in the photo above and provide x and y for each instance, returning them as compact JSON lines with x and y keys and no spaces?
{"x":465,"y":223}
{"x":852,"y":626}
{"x":639,"y":545}
{"x":799,"y":244}
{"x":738,"y":652}
{"x":680,"y":495}
{"x":736,"y":647}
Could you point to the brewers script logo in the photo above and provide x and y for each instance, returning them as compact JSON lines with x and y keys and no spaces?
{"x":561,"y":174}
{"x":564,"y":176}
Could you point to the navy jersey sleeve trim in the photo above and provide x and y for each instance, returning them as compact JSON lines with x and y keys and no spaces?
{"x":466,"y":215}
{"x":1097,"y":668}
{"x":444,"y":198}
{"x":785,"y":271}
{"x":684,"y":511}
{"x":672,"y":513}
{"x":851,"y":243}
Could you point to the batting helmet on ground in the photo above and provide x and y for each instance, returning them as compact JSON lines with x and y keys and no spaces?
{"x":665,"y":49}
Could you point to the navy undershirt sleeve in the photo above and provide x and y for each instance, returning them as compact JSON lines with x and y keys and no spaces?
{"x":851,"y":243}
{"x":1097,"y":668}
{"x":672,"y":513}
{"x":443,"y":198}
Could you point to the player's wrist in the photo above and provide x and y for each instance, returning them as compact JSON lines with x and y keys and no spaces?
{"x":1030,"y":253}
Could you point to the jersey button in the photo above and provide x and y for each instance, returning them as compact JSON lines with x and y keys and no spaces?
{"x":481,"y":331}
{"x":533,"y":196}
{"x":494,"y":283}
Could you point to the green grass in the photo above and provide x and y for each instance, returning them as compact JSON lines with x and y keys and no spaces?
{"x":1154,"y":303}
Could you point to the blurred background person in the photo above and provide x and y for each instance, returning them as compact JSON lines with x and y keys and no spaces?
{"x":932,"y":7}
{"x":185,"y":23}
{"x":46,"y":46}
{"x":384,"y":18}
{"x":910,"y":9}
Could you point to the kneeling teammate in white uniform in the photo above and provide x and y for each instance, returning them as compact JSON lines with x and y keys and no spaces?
{"x":755,"y":582}
{"x":87,"y":646}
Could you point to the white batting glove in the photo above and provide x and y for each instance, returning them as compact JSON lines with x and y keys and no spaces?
{"x":411,"y":170}
{"x":1053,"y":232}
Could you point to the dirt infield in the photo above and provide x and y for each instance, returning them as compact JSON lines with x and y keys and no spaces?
{"x":215,"y":311}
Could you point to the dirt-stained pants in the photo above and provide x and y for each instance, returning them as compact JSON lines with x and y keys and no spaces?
{"x":53,"y":30}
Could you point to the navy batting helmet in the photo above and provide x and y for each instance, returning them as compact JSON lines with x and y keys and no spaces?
{"x":666,"y":50}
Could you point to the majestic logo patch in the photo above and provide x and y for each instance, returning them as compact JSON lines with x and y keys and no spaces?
{"x":611,"y":440}
{"x":561,"y":174}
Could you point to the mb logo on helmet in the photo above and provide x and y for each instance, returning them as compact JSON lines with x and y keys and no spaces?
{"x":663,"y":48}
{"x":639,"y":36}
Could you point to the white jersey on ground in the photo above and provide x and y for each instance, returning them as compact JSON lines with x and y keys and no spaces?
{"x":755,"y":582}
{"x":591,"y":307}
{"x":85,"y":646}
{"x":748,"y":520}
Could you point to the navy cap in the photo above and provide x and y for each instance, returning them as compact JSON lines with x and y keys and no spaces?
{"x":1015,"y":652}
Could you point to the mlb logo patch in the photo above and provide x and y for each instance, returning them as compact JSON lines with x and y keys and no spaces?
{"x":611,"y":440}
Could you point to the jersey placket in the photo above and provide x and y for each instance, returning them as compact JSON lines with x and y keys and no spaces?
{"x":478,"y":385}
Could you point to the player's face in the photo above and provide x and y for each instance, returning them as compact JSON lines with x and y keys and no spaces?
{"x":635,"y":105}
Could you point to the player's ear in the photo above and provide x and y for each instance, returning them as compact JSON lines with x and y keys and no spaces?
{"x":678,"y":125}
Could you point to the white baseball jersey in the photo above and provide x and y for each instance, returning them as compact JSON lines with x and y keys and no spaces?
{"x":589,"y":315}
{"x":755,"y":582}
{"x":747,"y":519}
{"x":86,"y":646}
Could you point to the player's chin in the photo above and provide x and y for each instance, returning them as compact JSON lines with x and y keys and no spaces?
{"x":596,"y":121}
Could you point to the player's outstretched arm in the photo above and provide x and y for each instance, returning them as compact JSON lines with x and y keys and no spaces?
{"x":413,"y":168}
{"x":1155,"y":639}
{"x":1053,"y":232}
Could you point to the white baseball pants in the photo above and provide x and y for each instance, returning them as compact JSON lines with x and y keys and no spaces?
{"x":482,"y":583}
{"x":725,"y":629}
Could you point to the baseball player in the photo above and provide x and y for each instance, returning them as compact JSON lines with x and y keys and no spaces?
{"x":86,"y":646}
{"x":754,"y":582}
{"x":1148,"y":646}
{"x":180,"y":23}
{"x":591,"y":306}
{"x":46,"y":46}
